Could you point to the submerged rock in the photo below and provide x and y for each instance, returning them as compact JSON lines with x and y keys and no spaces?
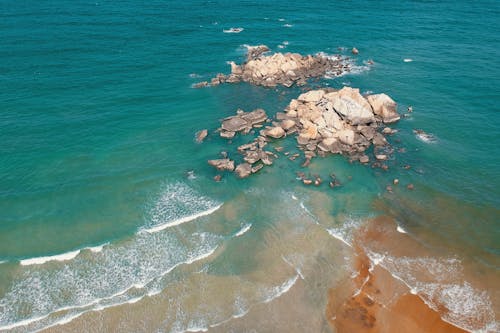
{"x":201,"y":135}
{"x":222,"y":164}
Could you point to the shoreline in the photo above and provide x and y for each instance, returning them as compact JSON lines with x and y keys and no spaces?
{"x":362,"y":311}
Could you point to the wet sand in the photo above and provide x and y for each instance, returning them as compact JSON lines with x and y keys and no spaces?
{"x":360,"y":305}
{"x":374,"y":300}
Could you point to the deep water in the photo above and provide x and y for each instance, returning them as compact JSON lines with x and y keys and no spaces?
{"x":97,"y":123}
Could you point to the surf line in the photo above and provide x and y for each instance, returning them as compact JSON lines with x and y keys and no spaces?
{"x":60,"y":257}
{"x":181,"y":220}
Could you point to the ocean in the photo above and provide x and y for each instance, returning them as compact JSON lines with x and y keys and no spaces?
{"x":110,"y":219}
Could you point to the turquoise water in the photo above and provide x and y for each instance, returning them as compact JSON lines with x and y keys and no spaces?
{"x":97,"y":119}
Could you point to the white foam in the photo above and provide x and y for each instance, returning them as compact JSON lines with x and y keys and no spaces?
{"x":3,"y":261}
{"x":426,"y":137}
{"x":336,"y":234}
{"x":97,"y":304}
{"x":294,"y":197}
{"x":243,"y":230}
{"x":344,"y":231}
{"x":282,"y":289}
{"x":178,"y":204}
{"x":42,"y":260}
{"x":299,"y":272}
{"x":182,"y":220}
{"x":233,"y":30}
{"x":281,"y":19}
{"x":439,"y":282}
{"x":116,"y":274}
{"x":401,"y":230}
{"x":407,"y":60}
{"x":287,"y":25}
{"x":96,"y":249}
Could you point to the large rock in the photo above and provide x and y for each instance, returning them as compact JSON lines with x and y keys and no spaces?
{"x":255,"y":117}
{"x":349,"y":103}
{"x":310,"y":131}
{"x":384,"y":107}
{"x":312,"y":96}
{"x":274,"y":132}
{"x":234,"y":124}
{"x":222,"y":164}
{"x":243,"y":170}
{"x":286,"y":124}
{"x":333,"y":120}
{"x":379,"y":139}
{"x":346,"y":136}
{"x":328,"y":144}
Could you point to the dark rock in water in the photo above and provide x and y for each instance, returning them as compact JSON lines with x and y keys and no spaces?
{"x":381,"y":157}
{"x":222,"y":164}
{"x":266,"y":159}
{"x":355,"y":51}
{"x":389,"y":131}
{"x":306,"y":163}
{"x":200,"y":84}
{"x":243,"y":170}
{"x":257,"y":168}
{"x":217,"y":178}
{"x":389,"y":188}
{"x":201,"y":135}
{"x":256,"y":51}
{"x":379,"y":140}
{"x":410,"y":186}
{"x":395,"y":181}
{"x":307,"y":181}
{"x":227,"y":134}
{"x":252,"y":156}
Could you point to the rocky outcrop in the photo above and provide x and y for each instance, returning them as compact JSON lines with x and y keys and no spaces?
{"x":242,"y":122}
{"x":222,"y":164}
{"x":323,"y":121}
{"x":243,"y":170}
{"x":285,"y":69}
{"x":341,"y":121}
{"x":384,"y":107}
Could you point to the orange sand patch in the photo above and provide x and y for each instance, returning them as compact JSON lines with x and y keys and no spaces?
{"x":374,"y":301}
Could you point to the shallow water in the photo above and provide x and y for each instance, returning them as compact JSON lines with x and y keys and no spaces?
{"x":101,"y":218}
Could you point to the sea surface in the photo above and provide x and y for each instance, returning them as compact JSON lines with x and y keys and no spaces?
{"x":110,"y":219}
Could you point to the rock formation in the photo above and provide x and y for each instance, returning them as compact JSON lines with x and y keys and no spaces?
{"x":341,"y":121}
{"x":280,"y":69}
{"x":323,"y":121}
{"x":242,"y":122}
